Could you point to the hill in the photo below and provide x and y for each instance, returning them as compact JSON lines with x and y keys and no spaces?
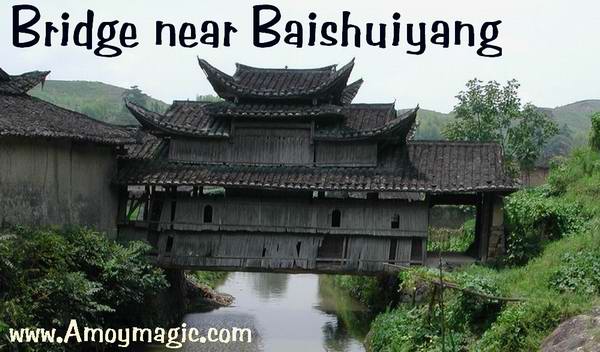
{"x":105,"y":102}
{"x":95,"y":99}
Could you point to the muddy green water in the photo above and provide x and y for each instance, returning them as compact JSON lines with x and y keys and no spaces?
{"x":286,"y":313}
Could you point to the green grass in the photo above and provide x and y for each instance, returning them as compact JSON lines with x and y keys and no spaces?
{"x":210,"y":278}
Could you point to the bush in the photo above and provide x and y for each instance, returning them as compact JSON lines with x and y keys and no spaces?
{"x":451,"y":240}
{"x":210,"y":278}
{"x":595,"y":132}
{"x":48,"y":278}
{"x":520,"y":327}
{"x":579,"y":272}
{"x":419,"y":327}
{"x":364,"y":288}
{"x":533,"y":219}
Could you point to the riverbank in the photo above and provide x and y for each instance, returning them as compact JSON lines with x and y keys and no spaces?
{"x":201,"y":290}
{"x":552,"y":264}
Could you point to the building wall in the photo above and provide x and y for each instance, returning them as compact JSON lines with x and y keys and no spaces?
{"x":51,"y":182}
{"x":264,"y":143}
{"x":274,"y":214}
{"x":286,"y":252}
{"x":535,"y":177}
{"x":356,"y":153}
{"x":249,"y":145}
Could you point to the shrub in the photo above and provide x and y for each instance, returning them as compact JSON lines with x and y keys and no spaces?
{"x":595,"y":132}
{"x":579,"y":272}
{"x":210,"y":278}
{"x":520,"y":327}
{"x":364,"y":288}
{"x":533,"y":219}
{"x":450,"y":240}
{"x":48,"y":278}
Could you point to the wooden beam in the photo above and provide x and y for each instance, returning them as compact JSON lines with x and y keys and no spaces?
{"x":454,"y":199}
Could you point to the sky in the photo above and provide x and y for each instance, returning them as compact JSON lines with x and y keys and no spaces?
{"x":551,"y":47}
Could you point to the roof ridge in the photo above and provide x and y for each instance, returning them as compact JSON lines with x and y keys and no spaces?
{"x":240,"y":67}
{"x":378,"y":105}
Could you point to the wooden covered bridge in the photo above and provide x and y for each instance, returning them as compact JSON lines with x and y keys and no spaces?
{"x":287,"y":174}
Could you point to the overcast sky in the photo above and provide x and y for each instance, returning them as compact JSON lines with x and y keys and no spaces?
{"x":552,"y":47}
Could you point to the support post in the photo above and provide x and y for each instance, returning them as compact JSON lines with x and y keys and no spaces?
{"x":484,"y":215}
{"x":496,"y":246}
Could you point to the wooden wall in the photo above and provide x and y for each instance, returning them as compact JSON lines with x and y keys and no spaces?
{"x":274,"y":144}
{"x":286,"y":252}
{"x":277,"y":214}
{"x":50,"y":182}
{"x":256,"y":145}
{"x":357,"y":153}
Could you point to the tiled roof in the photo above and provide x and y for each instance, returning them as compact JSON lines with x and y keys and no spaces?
{"x":26,"y":116}
{"x":275,"y":110}
{"x":248,"y":82}
{"x":149,"y":146}
{"x":432,"y":167}
{"x":3,"y":75}
{"x":190,"y":118}
{"x":206,"y":119}
{"x":349,"y":93}
{"x":370,"y":120}
{"x":21,"y":84}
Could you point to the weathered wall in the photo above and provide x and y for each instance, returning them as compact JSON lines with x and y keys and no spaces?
{"x":256,"y":145}
{"x":357,"y":153}
{"x":285,"y":252}
{"x":274,"y":214}
{"x":51,"y":182}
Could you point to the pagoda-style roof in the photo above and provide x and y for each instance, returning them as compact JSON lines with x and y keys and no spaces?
{"x":186,"y":118}
{"x":430,"y":167}
{"x":210,"y":119}
{"x":370,"y":121}
{"x":350,"y":92}
{"x":22,"y":115}
{"x":276,"y":110}
{"x":325,"y":84}
{"x":149,"y":148}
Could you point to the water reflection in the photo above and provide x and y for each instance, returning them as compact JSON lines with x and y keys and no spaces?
{"x":285,"y":313}
{"x":269,"y":285}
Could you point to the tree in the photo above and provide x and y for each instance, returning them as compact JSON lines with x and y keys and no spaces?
{"x":595,"y":132}
{"x":493,"y":113}
{"x":136,"y":96}
{"x":208,"y":98}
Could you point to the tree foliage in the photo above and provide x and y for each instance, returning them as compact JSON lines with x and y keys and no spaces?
{"x":595,"y":132}
{"x":48,"y":278}
{"x":492,"y":112}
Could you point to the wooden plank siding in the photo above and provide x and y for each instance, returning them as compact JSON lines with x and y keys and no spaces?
{"x":249,"y":145}
{"x":357,"y":153}
{"x":373,"y":217}
{"x":57,"y":182}
{"x":281,"y":252}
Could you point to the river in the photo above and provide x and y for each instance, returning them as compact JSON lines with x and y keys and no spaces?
{"x":299,"y":312}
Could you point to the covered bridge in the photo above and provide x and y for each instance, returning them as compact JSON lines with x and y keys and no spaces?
{"x":287,"y":174}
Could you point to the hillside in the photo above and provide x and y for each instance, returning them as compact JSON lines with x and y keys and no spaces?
{"x":105,"y":102}
{"x":95,"y":99}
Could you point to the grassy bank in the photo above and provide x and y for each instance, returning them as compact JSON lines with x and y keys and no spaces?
{"x":210,"y":278}
{"x":552,"y":263}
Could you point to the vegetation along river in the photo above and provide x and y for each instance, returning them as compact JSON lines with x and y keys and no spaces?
{"x":285,"y":313}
